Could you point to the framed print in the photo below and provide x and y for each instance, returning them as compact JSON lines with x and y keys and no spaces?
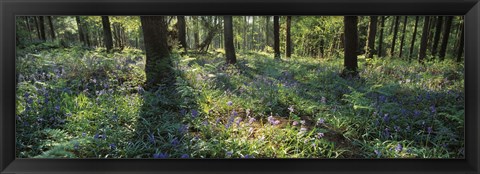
{"x":239,"y":86}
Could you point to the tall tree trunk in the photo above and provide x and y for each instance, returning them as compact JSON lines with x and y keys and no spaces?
{"x":37,"y":26}
{"x":107,"y":33}
{"x":41,"y":22}
{"x":380,"y":40}
{"x":52,"y":29}
{"x":182,"y":32}
{"x":196,"y":35}
{"x":29,"y":29}
{"x":276,"y":35}
{"x":403,"y":36}
{"x":81,"y":36}
{"x":267,"y":22}
{"x":252,"y":42}
{"x":350,"y":48}
{"x":413,"y":37}
{"x":157,"y":67}
{"x":423,"y":42}
{"x":460,"y":47}
{"x":395,"y":32}
{"x":228,"y":32}
{"x":289,"y":40}
{"x":372,"y":31}
{"x":438,"y":30}
{"x":446,"y":34}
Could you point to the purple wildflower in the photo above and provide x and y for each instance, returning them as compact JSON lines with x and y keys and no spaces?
{"x":229,"y":153}
{"x":248,"y":156}
{"x":320,"y":135}
{"x":416,"y":113}
{"x":295,"y":123}
{"x":185,"y":156}
{"x":175,"y":142}
{"x":160,"y":155}
{"x":151,"y":138}
{"x":183,"y":112}
{"x":251,"y":120}
{"x":320,"y":121}
{"x":229,"y":103}
{"x":399,"y":148}
{"x":239,"y":120}
{"x":433,"y":109}
{"x":194,"y":113}
{"x":234,"y":113}
{"x":386,"y":118}
{"x":113,"y":146}
{"x":84,"y":134}
{"x":429,"y":130}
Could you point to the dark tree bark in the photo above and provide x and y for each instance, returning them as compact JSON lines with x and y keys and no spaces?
{"x":27,"y":23}
{"x":413,"y":37}
{"x":182,"y":32}
{"x":37,"y":26}
{"x":372,"y":31}
{"x":380,"y":40}
{"x":267,"y":22}
{"x":41,"y":22}
{"x":446,"y":34}
{"x":289,"y":40}
{"x":350,"y":48}
{"x":276,"y":35}
{"x":228,"y":34}
{"x":158,"y":63}
{"x":196,"y":35}
{"x":395,"y":32}
{"x":423,"y":42}
{"x":81,"y":36}
{"x":438,"y":30}
{"x":213,"y":29}
{"x":52,"y":29}
{"x":107,"y":33}
{"x":460,"y":47}
{"x":403,"y":36}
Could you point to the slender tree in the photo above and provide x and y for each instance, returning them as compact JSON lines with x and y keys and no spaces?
{"x":446,"y":34}
{"x":228,"y":34}
{"x":182,"y":32}
{"x":37,"y":26}
{"x":413,"y":37}
{"x":395,"y":32}
{"x":81,"y":36}
{"x":403,"y":36}
{"x":107,"y":33}
{"x":157,"y":67}
{"x":267,"y":33}
{"x":372,"y":31}
{"x":29,"y":29}
{"x":351,"y":44}
{"x":438,"y":30}
{"x":380,"y":40}
{"x":423,"y":42}
{"x":289,"y":40}
{"x":52,"y":29}
{"x":276,"y":35}
{"x":460,"y":47}
{"x":41,"y":22}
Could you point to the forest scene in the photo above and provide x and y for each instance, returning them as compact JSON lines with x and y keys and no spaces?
{"x":240,"y":87}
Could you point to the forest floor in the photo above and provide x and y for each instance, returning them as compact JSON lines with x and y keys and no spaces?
{"x":84,"y":103}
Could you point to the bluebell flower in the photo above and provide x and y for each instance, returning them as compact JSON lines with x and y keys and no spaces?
{"x":234,"y":113}
{"x":84,"y":134}
{"x":175,"y":142}
{"x":194,"y":113}
{"x":239,"y":120}
{"x":183,"y":129}
{"x":320,"y":121}
{"x":396,"y":128}
{"x":185,"y":156}
{"x":378,"y":153}
{"x":229,"y":103}
{"x":217,"y":121}
{"x":251,"y":120}
{"x":160,"y":155}
{"x":96,"y":136}
{"x":151,"y":138}
{"x":183,"y":112}
{"x":387,"y":133}
{"x":399,"y":148}
{"x":433,"y":109}
{"x":320,"y":135}
{"x":386,"y":118}
{"x":248,"y":156}
{"x":113,"y":146}
{"x":205,"y":123}
{"x":429,"y":130}
{"x":416,"y":113}
{"x":229,"y":153}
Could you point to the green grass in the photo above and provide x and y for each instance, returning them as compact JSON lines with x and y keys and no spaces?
{"x":83,"y":103}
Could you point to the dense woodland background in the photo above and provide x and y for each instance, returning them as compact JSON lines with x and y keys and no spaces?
{"x":240,"y":86}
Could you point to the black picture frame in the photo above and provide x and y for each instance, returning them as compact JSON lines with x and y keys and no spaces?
{"x":11,"y":8}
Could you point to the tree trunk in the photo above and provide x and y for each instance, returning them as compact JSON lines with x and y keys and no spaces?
{"x":182,"y":32}
{"x":80,"y":29}
{"x":413,"y":37}
{"x":27,"y":22}
{"x":403,"y":36}
{"x":158,"y":63}
{"x":276,"y":35}
{"x":350,"y":48}
{"x":107,"y":33}
{"x":41,"y":22}
{"x":460,"y":47}
{"x":372,"y":31}
{"x":37,"y":26}
{"x":289,"y":40}
{"x":380,"y":40}
{"x":395,"y":32}
{"x":423,"y":42}
{"x":267,"y":21}
{"x":52,"y":29}
{"x":228,"y":32}
{"x":438,"y":30}
{"x":446,"y":34}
